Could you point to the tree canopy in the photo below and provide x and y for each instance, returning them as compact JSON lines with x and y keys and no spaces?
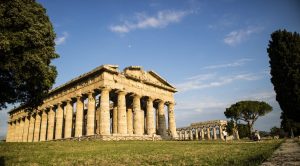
{"x":247,"y":111}
{"x":26,"y":49}
{"x":284,"y":54}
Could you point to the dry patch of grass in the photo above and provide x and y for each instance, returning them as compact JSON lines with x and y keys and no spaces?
{"x":137,"y":153}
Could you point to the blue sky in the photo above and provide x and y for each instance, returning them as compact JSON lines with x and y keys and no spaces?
{"x":214,"y":52}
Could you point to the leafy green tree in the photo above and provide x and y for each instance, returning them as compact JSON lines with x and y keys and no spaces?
{"x":284,"y":53}
{"x":247,"y":111}
{"x":243,"y":130}
{"x":26,"y":49}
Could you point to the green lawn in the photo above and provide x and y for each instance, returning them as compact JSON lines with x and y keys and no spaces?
{"x":137,"y":153}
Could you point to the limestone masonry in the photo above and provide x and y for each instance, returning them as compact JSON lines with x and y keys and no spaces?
{"x":203,"y":130}
{"x":103,"y":103}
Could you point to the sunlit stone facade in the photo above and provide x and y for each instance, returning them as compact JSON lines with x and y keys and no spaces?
{"x":208,"y":130}
{"x":103,"y":103}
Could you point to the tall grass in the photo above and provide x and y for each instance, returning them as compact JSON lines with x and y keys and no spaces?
{"x":137,"y":153}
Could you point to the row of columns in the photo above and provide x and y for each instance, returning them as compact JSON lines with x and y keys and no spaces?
{"x":51,"y":123}
{"x":207,"y":133}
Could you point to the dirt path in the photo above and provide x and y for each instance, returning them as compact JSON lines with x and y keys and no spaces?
{"x":287,"y":154}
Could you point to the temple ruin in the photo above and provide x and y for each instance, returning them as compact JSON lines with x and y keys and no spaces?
{"x":103,"y":104}
{"x":208,"y":130}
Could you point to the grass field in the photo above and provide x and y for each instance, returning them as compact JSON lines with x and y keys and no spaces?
{"x":137,"y":153}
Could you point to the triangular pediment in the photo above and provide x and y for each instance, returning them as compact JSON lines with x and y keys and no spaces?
{"x":136,"y":72}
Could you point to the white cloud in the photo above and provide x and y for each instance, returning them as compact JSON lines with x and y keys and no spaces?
{"x":62,"y":39}
{"x":201,"y":105}
{"x":237,"y":63}
{"x":143,"y":21}
{"x":213,"y":80}
{"x":263,"y":96}
{"x":238,"y":36}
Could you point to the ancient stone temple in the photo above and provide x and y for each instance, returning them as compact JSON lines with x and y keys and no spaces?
{"x":208,"y":130}
{"x":103,"y":103}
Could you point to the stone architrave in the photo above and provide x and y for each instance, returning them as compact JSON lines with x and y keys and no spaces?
{"x":149,"y":117}
{"x":31,"y":128}
{"x":59,"y":121}
{"x":122,"y":119}
{"x":69,"y":119}
{"x":51,"y":119}
{"x":43,"y":126}
{"x":79,"y":117}
{"x":91,"y":114}
{"x":161,"y":119}
{"x":104,"y":112}
{"x":129,"y":121}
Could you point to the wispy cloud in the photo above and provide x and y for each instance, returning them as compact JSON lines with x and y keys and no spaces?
{"x":213,"y":80}
{"x":236,"y":63}
{"x":201,"y":105}
{"x":237,"y":36}
{"x":143,"y":21}
{"x":61,"y":39}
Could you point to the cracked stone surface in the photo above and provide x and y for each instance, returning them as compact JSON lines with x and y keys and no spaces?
{"x":287,"y":154}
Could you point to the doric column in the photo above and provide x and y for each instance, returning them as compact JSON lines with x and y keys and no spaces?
{"x":31,"y":128}
{"x":17,"y":130}
{"x":196,"y":131}
{"x":161,"y":119}
{"x":59,"y":121}
{"x":137,"y":119}
{"x":13,"y":134}
{"x":215,"y":132}
{"x":51,"y":119}
{"x":104,"y":112}
{"x":43,"y":126}
{"x":208,"y":133}
{"x":21,"y":129}
{"x":180,"y":135}
{"x":129,"y":121}
{"x":171,"y":120}
{"x":115,"y":119}
{"x":191,"y":135}
{"x":26,"y":128}
{"x":149,"y":118}
{"x":122,"y":120}
{"x":91,"y":114}
{"x":156,"y":120}
{"x":202,"y":134}
{"x":37,"y":128}
{"x":69,"y":119}
{"x":79,"y":117}
{"x":185,"y":135}
{"x":221,"y":132}
{"x":9,"y":131}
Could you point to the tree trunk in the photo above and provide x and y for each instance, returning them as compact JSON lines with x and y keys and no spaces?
{"x":250,"y":126}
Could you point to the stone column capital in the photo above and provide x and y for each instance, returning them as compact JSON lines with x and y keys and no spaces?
{"x":120,"y":92}
{"x":150,"y":98}
{"x":59,"y":104}
{"x":104,"y":88}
